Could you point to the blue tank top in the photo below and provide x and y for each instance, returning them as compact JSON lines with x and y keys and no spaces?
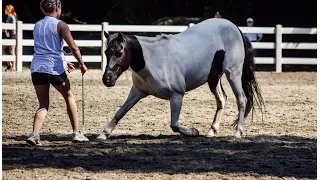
{"x":48,"y":54}
{"x":11,"y":19}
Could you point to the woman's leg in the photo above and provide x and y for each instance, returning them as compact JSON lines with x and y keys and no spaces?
{"x":62,"y":84}
{"x":4,"y":49}
{"x":42,"y":92}
{"x":13,"y":52}
{"x":67,"y":94}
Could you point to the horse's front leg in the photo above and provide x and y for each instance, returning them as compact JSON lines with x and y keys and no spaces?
{"x":175,"y":105}
{"x":134,"y":96}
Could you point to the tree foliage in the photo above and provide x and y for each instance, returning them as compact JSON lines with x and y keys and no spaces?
{"x":265,"y":12}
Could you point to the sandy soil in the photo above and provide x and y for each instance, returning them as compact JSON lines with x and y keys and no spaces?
{"x":143,"y":146}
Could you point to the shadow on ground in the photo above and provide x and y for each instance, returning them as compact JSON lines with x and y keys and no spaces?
{"x":281,"y":156}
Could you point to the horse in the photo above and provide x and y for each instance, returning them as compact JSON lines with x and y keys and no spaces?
{"x":167,"y":66}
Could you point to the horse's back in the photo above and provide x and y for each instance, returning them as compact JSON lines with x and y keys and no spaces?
{"x":212,"y":31}
{"x":184,"y":60}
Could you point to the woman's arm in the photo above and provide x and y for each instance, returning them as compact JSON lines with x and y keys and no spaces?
{"x":65,"y":33}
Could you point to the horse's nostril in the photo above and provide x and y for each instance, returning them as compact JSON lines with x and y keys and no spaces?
{"x":108,"y":76}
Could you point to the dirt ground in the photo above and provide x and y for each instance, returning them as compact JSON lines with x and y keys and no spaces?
{"x":143,"y":146}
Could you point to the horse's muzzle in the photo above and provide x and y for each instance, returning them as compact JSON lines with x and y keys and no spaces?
{"x":108,"y":80}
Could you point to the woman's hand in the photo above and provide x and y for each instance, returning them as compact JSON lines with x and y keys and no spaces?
{"x":70,"y":67}
{"x":83,"y":68}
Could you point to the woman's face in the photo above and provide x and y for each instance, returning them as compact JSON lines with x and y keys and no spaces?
{"x":6,"y":11}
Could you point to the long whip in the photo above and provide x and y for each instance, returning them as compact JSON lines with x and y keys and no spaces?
{"x":82,"y":104}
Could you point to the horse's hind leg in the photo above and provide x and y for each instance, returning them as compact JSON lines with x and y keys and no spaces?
{"x":234,"y":78}
{"x":221,"y":99}
{"x":215,"y":86}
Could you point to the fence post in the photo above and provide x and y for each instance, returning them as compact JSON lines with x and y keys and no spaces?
{"x":278,"y":48}
{"x":103,"y":47}
{"x":19,"y":46}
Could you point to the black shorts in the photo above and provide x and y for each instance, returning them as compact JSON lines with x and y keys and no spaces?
{"x":45,"y":78}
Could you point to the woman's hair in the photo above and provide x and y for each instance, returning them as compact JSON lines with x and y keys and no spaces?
{"x":47,"y":6}
{"x":11,"y":11}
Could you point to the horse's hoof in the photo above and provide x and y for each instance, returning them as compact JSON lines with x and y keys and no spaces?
{"x":210,"y":133}
{"x":194,"y":132}
{"x":238,"y":134}
{"x":102,"y":137}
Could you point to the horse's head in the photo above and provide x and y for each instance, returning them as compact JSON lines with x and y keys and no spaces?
{"x":117,"y":58}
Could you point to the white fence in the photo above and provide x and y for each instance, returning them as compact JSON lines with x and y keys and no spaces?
{"x":278,"y":45}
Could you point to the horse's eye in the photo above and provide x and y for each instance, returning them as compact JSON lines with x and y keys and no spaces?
{"x":118,"y":54}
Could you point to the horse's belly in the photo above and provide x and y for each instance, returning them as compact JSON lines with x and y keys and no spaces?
{"x":197,"y":75}
{"x":194,"y":84}
{"x":162,"y":94}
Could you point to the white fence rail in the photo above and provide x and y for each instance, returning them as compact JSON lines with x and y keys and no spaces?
{"x":278,"y":45}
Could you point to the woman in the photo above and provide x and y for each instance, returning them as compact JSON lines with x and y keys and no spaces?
{"x":48,"y":66}
{"x":10,"y":34}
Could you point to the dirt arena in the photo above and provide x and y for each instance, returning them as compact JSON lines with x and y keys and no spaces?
{"x":282,"y":146}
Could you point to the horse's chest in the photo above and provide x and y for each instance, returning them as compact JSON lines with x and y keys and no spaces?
{"x":153,"y":87}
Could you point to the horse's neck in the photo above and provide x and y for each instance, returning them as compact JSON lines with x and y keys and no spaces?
{"x":137,"y":62}
{"x":151,"y":44}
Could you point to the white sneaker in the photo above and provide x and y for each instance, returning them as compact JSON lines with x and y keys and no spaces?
{"x":78,"y":137}
{"x":33,"y":140}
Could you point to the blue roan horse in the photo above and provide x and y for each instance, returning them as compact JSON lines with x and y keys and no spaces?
{"x":167,"y":66}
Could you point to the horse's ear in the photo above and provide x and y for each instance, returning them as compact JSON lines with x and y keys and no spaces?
{"x":107,"y":35}
{"x":120,"y":37}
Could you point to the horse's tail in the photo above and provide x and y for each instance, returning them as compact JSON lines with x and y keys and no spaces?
{"x":249,"y":83}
